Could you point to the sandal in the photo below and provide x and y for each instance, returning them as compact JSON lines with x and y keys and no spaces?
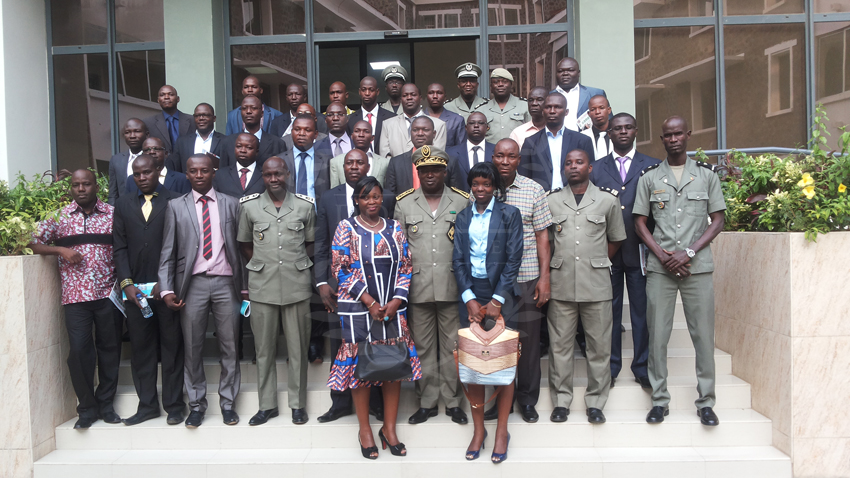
{"x":396,"y":450}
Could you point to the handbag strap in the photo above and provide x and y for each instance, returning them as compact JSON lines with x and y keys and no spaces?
{"x":466,"y":390}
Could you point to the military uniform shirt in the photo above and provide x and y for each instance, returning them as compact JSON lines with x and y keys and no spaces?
{"x":680,"y":212}
{"x":458,"y":105}
{"x":279,"y":271}
{"x":504,"y":121}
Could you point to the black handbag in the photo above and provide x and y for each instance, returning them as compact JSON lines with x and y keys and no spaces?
{"x":383,"y":363}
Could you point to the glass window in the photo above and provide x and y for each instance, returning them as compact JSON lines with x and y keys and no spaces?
{"x":381,"y":15}
{"x":760,"y":7}
{"x":832,"y":6}
{"x":140,"y":76}
{"x":435,"y":62}
{"x":522,"y":12}
{"x":765,"y":86}
{"x":643,"y":37}
{"x":531,"y":59}
{"x":138,"y":21}
{"x":678,"y":78}
{"x":832,"y":75}
{"x":674,"y":8}
{"x":276,"y":66}
{"x":340,"y":64}
{"x":266,"y":17}
{"x":78,"y":22}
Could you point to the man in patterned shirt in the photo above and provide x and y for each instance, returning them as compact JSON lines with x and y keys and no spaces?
{"x":532,"y":287}
{"x":81,"y":235}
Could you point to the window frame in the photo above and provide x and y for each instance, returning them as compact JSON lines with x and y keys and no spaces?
{"x":771,"y":53}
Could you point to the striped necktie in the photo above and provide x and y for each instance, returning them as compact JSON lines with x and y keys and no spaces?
{"x":207,"y":232}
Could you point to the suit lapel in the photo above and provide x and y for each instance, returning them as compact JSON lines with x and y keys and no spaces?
{"x":635,"y":168}
{"x":589,"y":196}
{"x":544,"y":153}
{"x":464,"y":157}
{"x":422,"y":202}
{"x":158,"y":206}
{"x":495,"y":225}
{"x":609,"y":165}
{"x":162,"y":126}
{"x":256,"y":177}
{"x":189,"y":202}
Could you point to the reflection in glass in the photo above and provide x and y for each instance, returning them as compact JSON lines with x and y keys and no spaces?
{"x":276,"y":66}
{"x":81,"y":85}
{"x":138,"y":20}
{"x":832,"y":74}
{"x":675,"y":76}
{"x":435,"y":62}
{"x":531,"y":59}
{"x":140,"y":76}
{"x":266,"y":17}
{"x":762,"y":7}
{"x":675,"y":8}
{"x":765,"y":86}
{"x":78,"y":22}
{"x":340,"y":64}
{"x":832,"y":6}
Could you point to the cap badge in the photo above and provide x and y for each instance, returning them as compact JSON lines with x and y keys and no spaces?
{"x":426,"y":151}
{"x":469,"y":67}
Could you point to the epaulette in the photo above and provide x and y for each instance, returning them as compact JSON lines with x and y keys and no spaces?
{"x":404,"y":194}
{"x":248,"y":197}
{"x":710,"y":167}
{"x":553,"y":191}
{"x":613,"y":192}
{"x":523,"y":99}
{"x":448,"y":101}
{"x":461,"y":192}
{"x":306,"y":198}
{"x":649,"y":168}
{"x":482,"y":104}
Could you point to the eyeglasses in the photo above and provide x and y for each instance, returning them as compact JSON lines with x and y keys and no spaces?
{"x":151,"y":150}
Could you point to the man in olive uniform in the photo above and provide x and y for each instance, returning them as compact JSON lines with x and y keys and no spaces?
{"x":681,"y":194}
{"x":428,"y":216}
{"x":587,"y":226}
{"x":394,"y":76}
{"x":274,"y":229}
{"x":467,"y":82}
{"x":505,"y":112}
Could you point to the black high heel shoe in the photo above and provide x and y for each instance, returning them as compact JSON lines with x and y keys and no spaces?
{"x":367,"y":452}
{"x":396,"y":450}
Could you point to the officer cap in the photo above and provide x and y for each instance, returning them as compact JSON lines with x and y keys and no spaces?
{"x":430,"y":156}
{"x":502,"y":73}
{"x":394,"y":71}
{"x":468,"y":70}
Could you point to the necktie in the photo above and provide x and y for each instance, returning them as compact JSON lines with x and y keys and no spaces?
{"x":623,"y":171}
{"x":207,"y":232}
{"x":172,"y":130}
{"x":369,"y":117}
{"x":301,"y":181}
{"x":243,"y":179}
{"x":475,"y":158}
{"x":147,"y":206}
{"x":337,"y":147}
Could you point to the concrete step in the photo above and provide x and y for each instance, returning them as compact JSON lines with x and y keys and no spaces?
{"x":624,"y":428}
{"x":693,"y":462}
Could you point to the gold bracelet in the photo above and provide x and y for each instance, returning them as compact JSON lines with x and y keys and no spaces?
{"x":495,"y":304}
{"x":126,"y":282}
{"x":370,"y":305}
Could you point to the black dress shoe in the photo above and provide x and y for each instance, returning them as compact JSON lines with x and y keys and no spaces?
{"x":84,"y":423}
{"x":622,"y":329}
{"x":657,"y":414}
{"x":263,"y":416}
{"x":174,"y":418}
{"x":613,"y":381}
{"x":493,"y":412}
{"x":529,"y":414}
{"x":378,"y":413}
{"x":582,"y":346}
{"x":458,"y":415}
{"x":595,"y":416}
{"x":559,"y":414}
{"x":314,"y":353}
{"x":139,"y":418}
{"x":195,"y":419}
{"x":644,"y":382}
{"x":229,"y":417}
{"x":707,"y":417}
{"x":334,"y":414}
{"x":422,"y":415}
{"x":110,"y":417}
{"x":299,"y":416}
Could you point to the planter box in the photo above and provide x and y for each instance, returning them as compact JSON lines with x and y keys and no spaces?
{"x":783,"y":312}
{"x":35,"y":388}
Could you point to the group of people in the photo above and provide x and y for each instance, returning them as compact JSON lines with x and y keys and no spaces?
{"x":390,"y":224}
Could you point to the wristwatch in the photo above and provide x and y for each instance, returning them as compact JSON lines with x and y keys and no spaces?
{"x":691,"y":253}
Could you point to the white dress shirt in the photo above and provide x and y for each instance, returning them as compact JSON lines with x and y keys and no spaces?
{"x":203,"y":146}
{"x":162,"y":175}
{"x":572,"y":106}
{"x":471,"y":154}
{"x":258,"y":134}
{"x":251,"y":167}
{"x":556,"y":143}
{"x":291,"y":122}
{"x":374,"y":111}
{"x":602,"y":146}
{"x":132,"y":158}
{"x":349,"y":193}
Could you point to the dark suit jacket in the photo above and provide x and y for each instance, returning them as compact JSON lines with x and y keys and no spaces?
{"x":280,"y":123}
{"x":459,"y":163}
{"x":226,"y":181}
{"x":455,"y":128}
{"x":383,"y":115}
{"x":399,"y":176}
{"x":137,"y":243}
{"x":159,"y":128}
{"x":234,"y":119}
{"x":176,"y":161}
{"x":536,"y":162}
{"x":174,"y":182}
{"x":270,"y":145}
{"x":321,"y":171}
{"x":607,"y":173}
{"x":118,"y":176}
{"x":504,"y":249}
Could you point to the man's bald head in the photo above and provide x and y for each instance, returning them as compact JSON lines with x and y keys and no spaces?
{"x":199,"y":160}
{"x":675,"y":121}
{"x":143,"y":161}
{"x":274,"y":162}
{"x":84,"y":174}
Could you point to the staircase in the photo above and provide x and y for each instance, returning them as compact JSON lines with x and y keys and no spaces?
{"x":624,"y":446}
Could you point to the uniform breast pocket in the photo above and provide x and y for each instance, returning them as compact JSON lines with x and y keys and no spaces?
{"x":658,"y":204}
{"x":413,"y":226}
{"x":261,"y":233}
{"x":296,"y":229}
{"x":596,"y":225}
{"x":697,"y":204}
{"x":559,"y":223}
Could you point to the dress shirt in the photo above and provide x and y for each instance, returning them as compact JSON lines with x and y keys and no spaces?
{"x":162,"y":175}
{"x":374,"y":112}
{"x":471,"y":153}
{"x":258,"y":134}
{"x":556,"y":142}
{"x":572,"y":106}
{"x":344,"y":144}
{"x":217,"y":265}
{"x":309,"y":162}
{"x":251,"y":167}
{"x":530,"y":198}
{"x":132,"y":158}
{"x":602,"y":145}
{"x":410,"y":119}
{"x":349,"y":194}
{"x":203,"y":146}
{"x":628,"y":163}
{"x":291,"y":122}
{"x":479,"y":229}
{"x":156,"y":192}
{"x":523,"y":132}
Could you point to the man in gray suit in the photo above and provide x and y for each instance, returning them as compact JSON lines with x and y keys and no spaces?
{"x":361,"y":138}
{"x":201,"y":269}
{"x":121,"y":165}
{"x":170,"y":123}
{"x":395,"y":139}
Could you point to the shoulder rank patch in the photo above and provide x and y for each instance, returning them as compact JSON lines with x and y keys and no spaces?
{"x":553,"y":191}
{"x":449,"y":100}
{"x":707,"y":166}
{"x":404,"y":194}
{"x":649,"y":168}
{"x":306,"y":198}
{"x":461,"y":192}
{"x":248,"y":197}
{"x":613,"y":192}
{"x":482,"y":104}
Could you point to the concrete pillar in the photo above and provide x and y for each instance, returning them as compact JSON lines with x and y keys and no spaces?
{"x":24,"y":92}
{"x":604,"y":37}
{"x":194,"y":54}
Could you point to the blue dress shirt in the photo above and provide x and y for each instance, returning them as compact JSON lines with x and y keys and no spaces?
{"x":479,"y":229}
{"x":309,"y":162}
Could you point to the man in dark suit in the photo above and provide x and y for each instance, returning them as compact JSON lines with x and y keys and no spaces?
{"x":245,"y":177}
{"x":204,"y":140}
{"x":400,"y":175}
{"x":172,"y":180}
{"x":435,"y":96}
{"x":171,"y":123}
{"x":120,"y":165}
{"x":137,"y":240}
{"x":251,"y":87}
{"x":307,"y":109}
{"x":471,"y":152}
{"x":296,"y":95}
{"x":578,"y":96}
{"x":370,"y":111}
{"x":270,"y":145}
{"x":620,"y":171}
{"x":537,"y":159}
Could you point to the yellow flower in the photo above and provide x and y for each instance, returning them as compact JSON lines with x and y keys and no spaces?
{"x":842,"y":188}
{"x":809,"y":191}
{"x":806,"y":181}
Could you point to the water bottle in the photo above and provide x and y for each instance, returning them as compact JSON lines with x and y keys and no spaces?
{"x":146,"y":309}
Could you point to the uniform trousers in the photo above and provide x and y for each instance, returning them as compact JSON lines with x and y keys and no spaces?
{"x":435,"y":335}
{"x":636,"y":284}
{"x":266,"y":322}
{"x":528,"y":321}
{"x":104,"y":351}
{"x":162,"y":329}
{"x":563,"y":320}
{"x":210,"y":293}
{"x":698,"y":301}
